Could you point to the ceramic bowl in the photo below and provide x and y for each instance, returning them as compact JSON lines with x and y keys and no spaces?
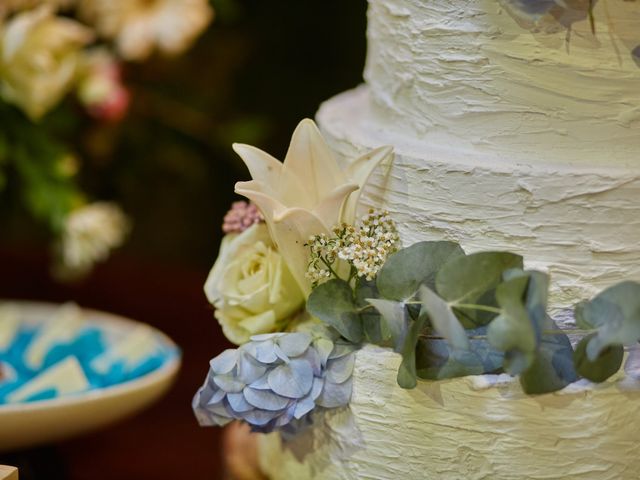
{"x":35,"y":423}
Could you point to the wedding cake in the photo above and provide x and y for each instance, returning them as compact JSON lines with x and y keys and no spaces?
{"x":515,"y":127}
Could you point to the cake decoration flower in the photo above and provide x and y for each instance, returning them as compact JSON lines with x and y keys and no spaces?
{"x":251,"y":286}
{"x":275,"y":381}
{"x":307,"y":194}
{"x":365,"y":247}
{"x":241,"y":216}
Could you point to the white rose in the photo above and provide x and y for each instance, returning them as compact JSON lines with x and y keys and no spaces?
{"x":251,"y":287}
{"x":39,"y":54}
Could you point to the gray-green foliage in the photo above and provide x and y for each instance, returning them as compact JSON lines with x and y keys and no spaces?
{"x":450,"y":314}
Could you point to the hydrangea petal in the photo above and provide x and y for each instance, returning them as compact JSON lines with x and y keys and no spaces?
{"x":261,"y":383}
{"x":280,"y":354}
{"x":238,"y":403}
{"x":266,"y":336}
{"x":292,"y":380}
{"x":249,"y":370}
{"x":260,"y":417}
{"x":339,"y":370}
{"x":324,"y":347}
{"x":216,"y":396}
{"x":304,"y":406}
{"x":294,"y":344}
{"x":228,"y":383}
{"x":341,"y":349}
{"x":265,"y":399}
{"x":316,"y":390}
{"x":224,"y":362}
{"x":335,"y":394}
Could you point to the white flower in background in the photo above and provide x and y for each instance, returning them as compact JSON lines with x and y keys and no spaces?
{"x":307,"y":194}
{"x":251,"y":287}
{"x":39,"y":54}
{"x":140,"y":26}
{"x":90,"y":233}
{"x":100,"y":88}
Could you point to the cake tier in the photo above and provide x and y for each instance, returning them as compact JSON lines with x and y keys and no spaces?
{"x":581,"y":223}
{"x":470,"y":428}
{"x":523,"y":80}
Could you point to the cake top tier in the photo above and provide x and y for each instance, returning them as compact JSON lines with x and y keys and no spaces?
{"x":524,"y":79}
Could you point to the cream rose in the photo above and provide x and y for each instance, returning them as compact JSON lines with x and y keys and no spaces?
{"x":251,"y":287}
{"x":39,"y":55}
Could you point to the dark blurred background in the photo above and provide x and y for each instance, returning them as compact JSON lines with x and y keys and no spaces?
{"x":259,"y":69}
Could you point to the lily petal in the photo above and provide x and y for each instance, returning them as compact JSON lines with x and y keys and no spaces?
{"x":291,"y":231}
{"x":328,"y":210}
{"x":359,"y":172}
{"x":261,"y":165}
{"x":309,"y":161}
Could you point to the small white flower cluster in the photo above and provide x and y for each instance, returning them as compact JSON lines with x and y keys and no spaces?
{"x":365,"y":247}
{"x":90,"y":233}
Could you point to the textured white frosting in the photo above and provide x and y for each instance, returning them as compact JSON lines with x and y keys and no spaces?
{"x":579,"y":223}
{"x":465,"y":429}
{"x":466,"y":75}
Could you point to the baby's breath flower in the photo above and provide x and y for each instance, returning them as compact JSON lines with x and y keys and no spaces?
{"x":365,"y":246}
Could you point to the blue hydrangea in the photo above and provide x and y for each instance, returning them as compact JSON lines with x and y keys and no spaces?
{"x":275,"y":381}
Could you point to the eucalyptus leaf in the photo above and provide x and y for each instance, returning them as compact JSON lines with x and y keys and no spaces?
{"x":333,"y":303}
{"x":552,"y":368}
{"x":471,"y":280}
{"x":436,"y":360}
{"x":407,"y":269}
{"x":615,"y":313}
{"x":407,"y":374}
{"x":375,"y":330}
{"x":512,"y":331}
{"x":443,"y":319}
{"x":394,"y":318}
{"x":606,"y":364}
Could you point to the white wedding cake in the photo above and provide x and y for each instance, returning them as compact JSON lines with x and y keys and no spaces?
{"x":515,"y":128}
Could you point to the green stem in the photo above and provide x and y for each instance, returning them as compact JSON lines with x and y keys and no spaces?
{"x":471,"y":306}
{"x":329,"y":267}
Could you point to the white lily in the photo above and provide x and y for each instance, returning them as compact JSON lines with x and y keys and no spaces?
{"x":306,"y":195}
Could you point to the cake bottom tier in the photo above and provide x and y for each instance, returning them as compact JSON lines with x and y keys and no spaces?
{"x":472,"y":428}
{"x":580,"y":222}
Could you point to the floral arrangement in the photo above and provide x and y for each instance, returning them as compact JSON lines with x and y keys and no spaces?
{"x":51,"y":50}
{"x":303,"y":291}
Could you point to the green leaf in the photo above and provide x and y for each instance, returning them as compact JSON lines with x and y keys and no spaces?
{"x":473,"y":279}
{"x":374,"y":327}
{"x":552,"y":368}
{"x":395,"y":323}
{"x":443,"y":319}
{"x":512,"y":331}
{"x":407,"y":374}
{"x":334,"y":304}
{"x":411,"y":267}
{"x":615,"y":313}
{"x":606,"y":364}
{"x":436,"y":360}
